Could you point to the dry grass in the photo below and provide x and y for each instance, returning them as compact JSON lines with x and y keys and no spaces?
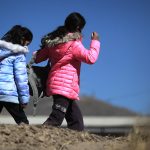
{"x":139,"y":139}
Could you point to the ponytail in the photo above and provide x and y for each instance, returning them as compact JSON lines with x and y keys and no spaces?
{"x":60,"y":32}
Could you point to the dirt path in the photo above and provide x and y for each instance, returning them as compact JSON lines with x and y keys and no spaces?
{"x":23,"y":137}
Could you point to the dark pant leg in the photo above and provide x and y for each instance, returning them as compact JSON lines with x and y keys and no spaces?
{"x":74,"y":117}
{"x":1,"y":106}
{"x":60,"y":105}
{"x":16,"y":112}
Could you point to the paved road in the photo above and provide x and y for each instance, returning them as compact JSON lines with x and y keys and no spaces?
{"x":89,"y":121}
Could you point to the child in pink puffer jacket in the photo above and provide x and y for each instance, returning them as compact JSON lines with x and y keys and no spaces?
{"x":65,"y":51}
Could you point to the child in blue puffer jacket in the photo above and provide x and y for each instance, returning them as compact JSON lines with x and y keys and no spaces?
{"x":14,"y":89}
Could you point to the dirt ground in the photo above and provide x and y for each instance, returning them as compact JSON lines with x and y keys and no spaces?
{"x":36,"y":137}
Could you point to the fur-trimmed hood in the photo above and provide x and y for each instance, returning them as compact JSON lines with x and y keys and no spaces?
{"x":66,"y":38}
{"x":14,"y":48}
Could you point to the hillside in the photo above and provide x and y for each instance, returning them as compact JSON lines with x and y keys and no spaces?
{"x":90,"y":106}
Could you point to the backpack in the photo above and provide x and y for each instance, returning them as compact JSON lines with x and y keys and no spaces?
{"x":37,"y":77}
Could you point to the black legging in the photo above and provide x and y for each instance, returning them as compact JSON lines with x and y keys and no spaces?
{"x":68,"y":109}
{"x":16,"y":112}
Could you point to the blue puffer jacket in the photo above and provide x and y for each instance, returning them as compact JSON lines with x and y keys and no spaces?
{"x":13,"y":74}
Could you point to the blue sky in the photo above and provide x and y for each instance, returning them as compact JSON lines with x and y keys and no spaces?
{"x":121,"y":75}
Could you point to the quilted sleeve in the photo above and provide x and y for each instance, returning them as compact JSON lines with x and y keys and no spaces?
{"x":88,"y":56}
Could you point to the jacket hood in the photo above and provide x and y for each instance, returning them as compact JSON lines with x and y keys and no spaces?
{"x":66,"y":38}
{"x":14,"y":48}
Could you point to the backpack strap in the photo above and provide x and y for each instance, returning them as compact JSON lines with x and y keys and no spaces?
{"x":32,"y":85}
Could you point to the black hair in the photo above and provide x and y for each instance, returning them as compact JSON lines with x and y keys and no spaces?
{"x":17,"y":34}
{"x":74,"y":22}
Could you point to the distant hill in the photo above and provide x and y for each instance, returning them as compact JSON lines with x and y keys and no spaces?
{"x":90,"y":106}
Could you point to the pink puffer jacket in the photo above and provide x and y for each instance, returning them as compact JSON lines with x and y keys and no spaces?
{"x":66,"y":58}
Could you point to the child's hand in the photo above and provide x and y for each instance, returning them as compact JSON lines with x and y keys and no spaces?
{"x":94,"y":36}
{"x":33,"y":57}
{"x":23,"y":105}
{"x":34,"y":53}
